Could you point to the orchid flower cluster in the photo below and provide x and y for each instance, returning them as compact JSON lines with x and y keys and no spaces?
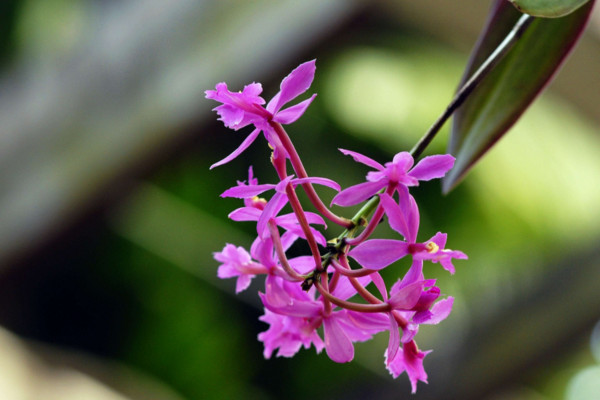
{"x":323,"y":299}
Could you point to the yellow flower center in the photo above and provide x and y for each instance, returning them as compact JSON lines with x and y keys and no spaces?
{"x":432,"y":247}
{"x":259,"y":201}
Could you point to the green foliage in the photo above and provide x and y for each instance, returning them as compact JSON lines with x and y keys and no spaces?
{"x":548,"y":8}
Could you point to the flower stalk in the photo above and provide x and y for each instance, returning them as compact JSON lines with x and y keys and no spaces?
{"x":465,"y":90}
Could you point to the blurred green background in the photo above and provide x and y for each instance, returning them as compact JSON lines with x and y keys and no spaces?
{"x":109,"y":214}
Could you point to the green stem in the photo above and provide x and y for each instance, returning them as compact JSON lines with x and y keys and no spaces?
{"x":463,"y":93}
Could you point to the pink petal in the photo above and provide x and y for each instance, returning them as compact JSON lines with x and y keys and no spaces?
{"x":447,"y":261}
{"x":413,"y":362}
{"x":293,"y":85}
{"x":219,"y":94}
{"x":227,"y":270}
{"x":379,"y":284}
{"x":373,"y":323}
{"x":245,"y":192}
{"x":232,"y":117}
{"x":440,"y":239}
{"x":425,"y":303}
{"x":413,"y":218}
{"x":357,"y":193}
{"x":288,"y":334}
{"x":337,"y":345}
{"x":247,"y":142}
{"x":441,"y":310}
{"x":376,"y":254}
{"x":277,"y":202}
{"x":363,"y":159}
{"x":319,"y":181}
{"x":318,"y":237}
{"x":253,"y":91}
{"x":231,"y":253}
{"x":292,"y":219}
{"x":275,"y":296}
{"x":297,"y":230}
{"x":239,"y":109}
{"x":432,"y":167}
{"x":251,"y":179}
{"x":409,"y":333}
{"x":344,"y":289}
{"x":448,"y":266}
{"x":279,"y":152}
{"x":396,"y":217}
{"x":261,"y":249}
{"x":313,"y":218}
{"x":302,"y":264}
{"x":394,"y":342}
{"x":352,"y":331}
{"x":403,"y":160}
{"x":245,"y":214}
{"x":299,"y":309}
{"x":288,"y":239}
{"x":243,"y":282}
{"x":376,"y":176}
{"x":407,"y":297}
{"x":291,"y":114}
{"x":250,"y":95}
{"x":304,"y":309}
{"x":281,"y":186}
{"x":414,"y":274}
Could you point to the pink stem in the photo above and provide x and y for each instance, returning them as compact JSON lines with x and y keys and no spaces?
{"x":326,"y":301}
{"x":402,"y":322}
{"x":368,"y":308}
{"x":301,"y":173}
{"x":310,"y":238}
{"x":334,"y":281}
{"x":369,"y":229}
{"x":281,"y":253}
{"x":360,"y":289}
{"x":354,"y":273}
{"x":379,"y":212}
{"x":297,"y":208}
{"x":380,"y":306}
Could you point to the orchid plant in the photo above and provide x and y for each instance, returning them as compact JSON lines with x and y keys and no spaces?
{"x":325,"y":290}
{"x":335,"y":295}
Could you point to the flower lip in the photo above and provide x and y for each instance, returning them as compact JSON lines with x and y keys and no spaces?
{"x":432,"y":247}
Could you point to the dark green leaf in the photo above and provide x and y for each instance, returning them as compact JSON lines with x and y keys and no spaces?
{"x":501,"y":98}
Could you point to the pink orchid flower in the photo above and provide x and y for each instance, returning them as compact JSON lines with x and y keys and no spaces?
{"x":275,"y":205}
{"x":287,"y":335}
{"x":240,"y":109}
{"x":398,"y":172}
{"x":262,"y":260}
{"x":376,"y":254}
{"x":410,"y":359}
{"x":237,"y":262}
{"x":426,"y":310}
{"x":290,"y":306}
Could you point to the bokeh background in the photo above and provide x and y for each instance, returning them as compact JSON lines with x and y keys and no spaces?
{"x":109,"y":214}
